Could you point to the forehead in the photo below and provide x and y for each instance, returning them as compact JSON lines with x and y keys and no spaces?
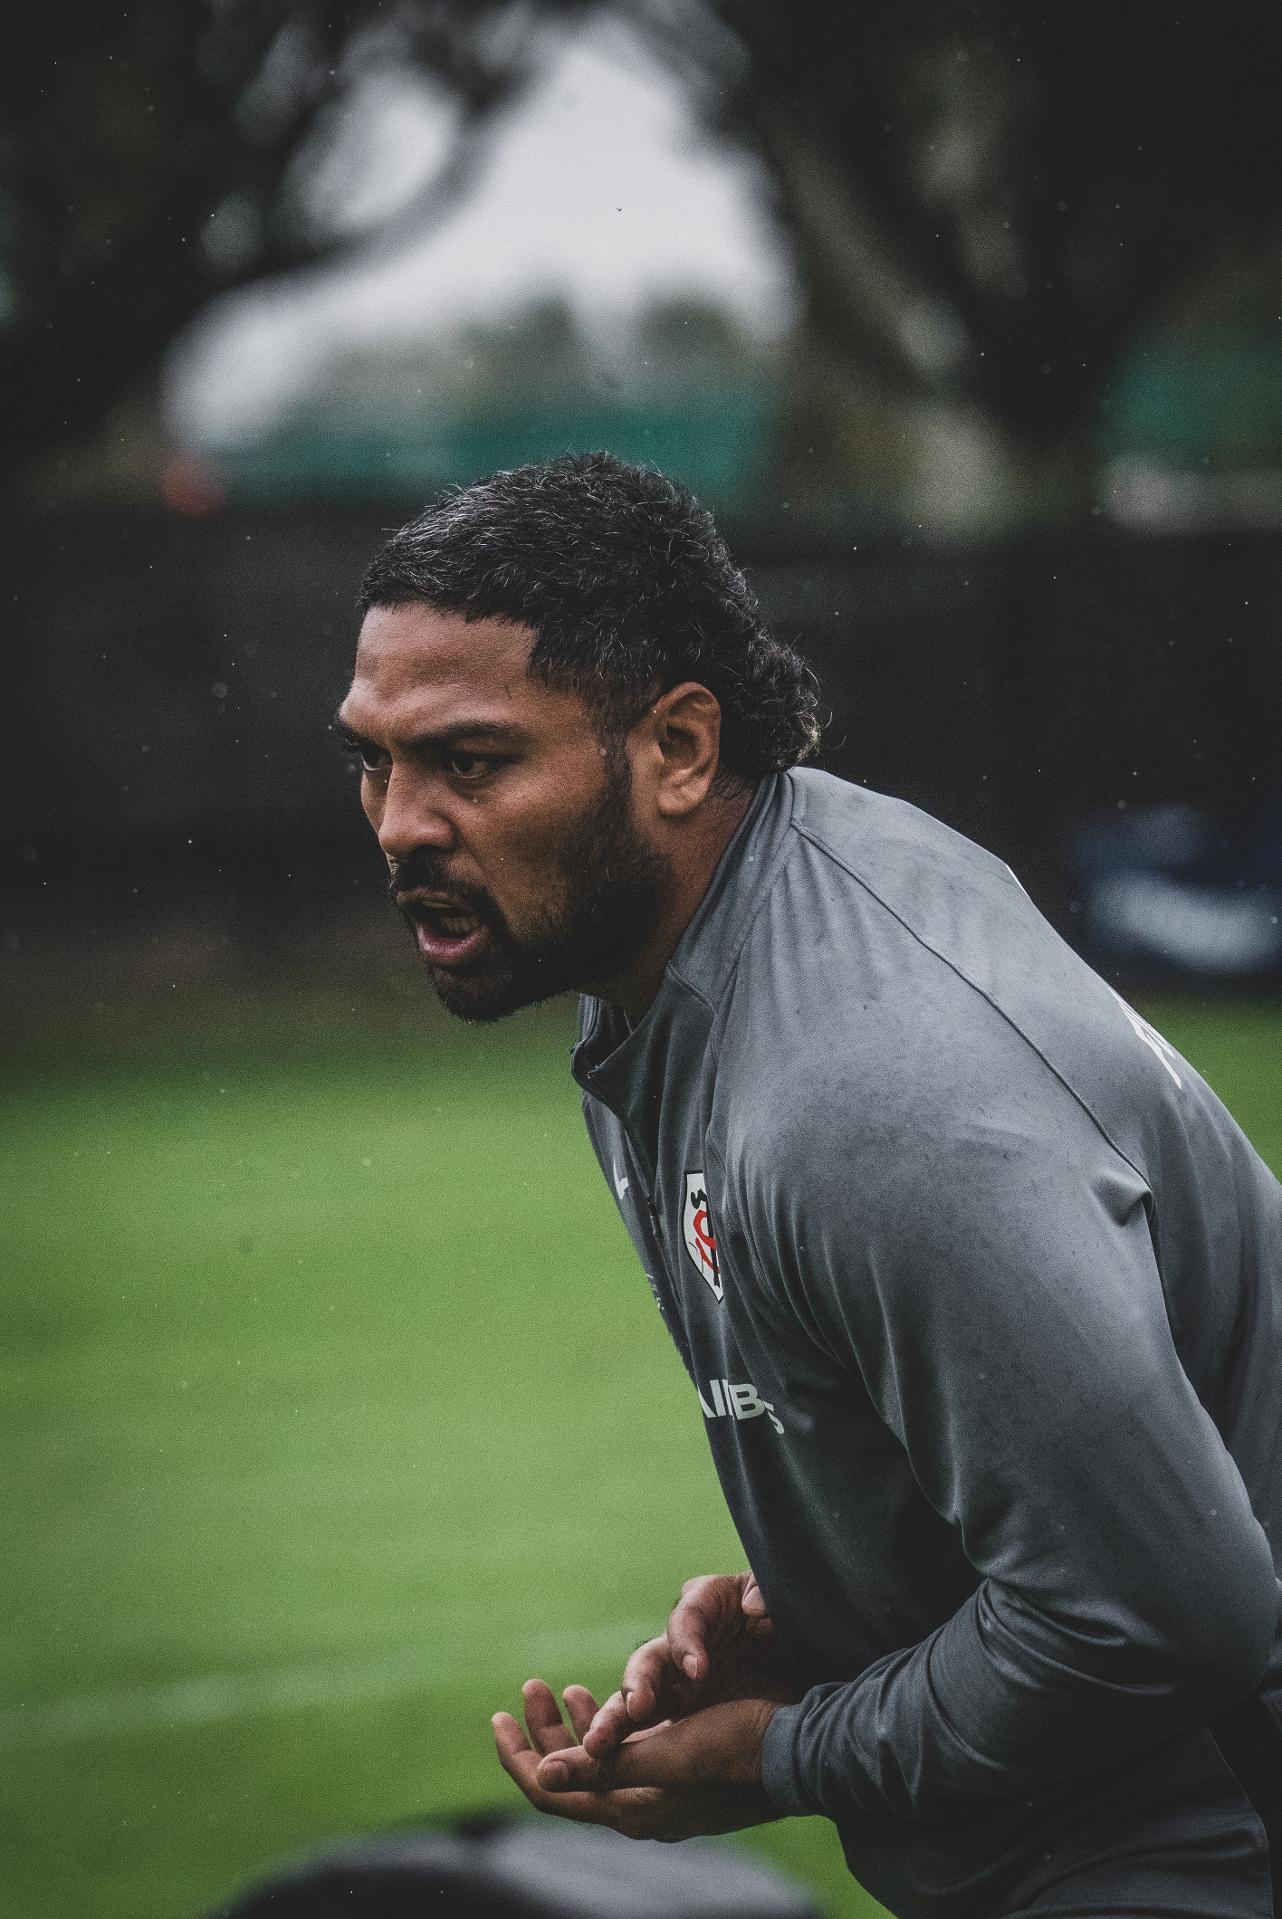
{"x":418,"y":669}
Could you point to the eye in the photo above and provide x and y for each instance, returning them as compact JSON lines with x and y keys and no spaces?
{"x":370,"y":758}
{"x":468,"y":767}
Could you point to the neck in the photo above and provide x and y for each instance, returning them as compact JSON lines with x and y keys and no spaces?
{"x":694,"y":860}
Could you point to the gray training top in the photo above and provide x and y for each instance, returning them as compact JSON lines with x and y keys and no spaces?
{"x":980,"y":1290}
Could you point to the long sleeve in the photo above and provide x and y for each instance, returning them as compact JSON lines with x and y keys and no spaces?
{"x":989,"y":1374}
{"x":1001,"y":1300}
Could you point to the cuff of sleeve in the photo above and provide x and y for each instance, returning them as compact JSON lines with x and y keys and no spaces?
{"x":779,"y":1761}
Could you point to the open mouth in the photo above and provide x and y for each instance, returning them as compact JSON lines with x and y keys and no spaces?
{"x":447,"y":934}
{"x":449,"y":922}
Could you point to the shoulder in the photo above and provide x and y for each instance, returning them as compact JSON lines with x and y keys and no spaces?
{"x":902,"y":1018}
{"x":857,"y":1007}
{"x":877,"y":882}
{"x":887,"y":1131}
{"x":897,"y":982}
{"x":881,"y":839}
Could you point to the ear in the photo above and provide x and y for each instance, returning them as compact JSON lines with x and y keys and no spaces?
{"x":680,"y":748}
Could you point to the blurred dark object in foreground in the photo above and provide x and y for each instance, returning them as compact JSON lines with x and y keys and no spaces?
{"x":1182,"y":892}
{"x":520,"y":1868}
{"x":167,"y":762}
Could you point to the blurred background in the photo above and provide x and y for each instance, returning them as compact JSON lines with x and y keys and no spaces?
{"x":332,"y":1404}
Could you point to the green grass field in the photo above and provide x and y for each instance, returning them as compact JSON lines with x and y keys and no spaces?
{"x":333,"y":1407}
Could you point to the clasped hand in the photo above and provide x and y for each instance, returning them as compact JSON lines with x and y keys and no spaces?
{"x":676,"y":1751}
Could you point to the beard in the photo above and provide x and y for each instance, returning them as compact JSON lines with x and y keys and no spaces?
{"x":608,"y":885}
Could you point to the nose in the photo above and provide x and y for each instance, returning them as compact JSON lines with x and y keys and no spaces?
{"x":410,"y":816}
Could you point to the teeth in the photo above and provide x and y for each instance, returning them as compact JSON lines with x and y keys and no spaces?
{"x":455,"y":924}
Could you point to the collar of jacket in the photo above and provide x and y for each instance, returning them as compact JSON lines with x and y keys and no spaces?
{"x":631,"y":1068}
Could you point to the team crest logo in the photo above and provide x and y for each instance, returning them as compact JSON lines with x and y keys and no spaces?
{"x":696,"y":1230}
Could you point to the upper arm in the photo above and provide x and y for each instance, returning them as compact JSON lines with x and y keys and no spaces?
{"x":991,"y":1277}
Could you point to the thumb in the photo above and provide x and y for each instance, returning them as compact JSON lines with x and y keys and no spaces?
{"x":708,"y":1611}
{"x":692,"y":1624}
{"x":719,"y":1746}
{"x":753,"y":1601}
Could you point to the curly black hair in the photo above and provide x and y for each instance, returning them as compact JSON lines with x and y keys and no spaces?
{"x":628,"y":588}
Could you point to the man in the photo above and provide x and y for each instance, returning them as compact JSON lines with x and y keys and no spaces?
{"x":979,"y":1286}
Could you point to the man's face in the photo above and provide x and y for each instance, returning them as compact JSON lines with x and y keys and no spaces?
{"x":506,"y":824}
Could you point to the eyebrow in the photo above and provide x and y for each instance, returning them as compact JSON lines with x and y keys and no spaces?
{"x":440,"y":738}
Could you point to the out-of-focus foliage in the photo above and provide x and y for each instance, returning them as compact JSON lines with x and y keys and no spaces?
{"x":153,"y":154}
{"x":984,"y":202}
{"x":122,"y":135}
{"x":989,"y":198}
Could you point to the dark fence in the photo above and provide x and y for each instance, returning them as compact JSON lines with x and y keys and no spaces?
{"x":171,"y":680}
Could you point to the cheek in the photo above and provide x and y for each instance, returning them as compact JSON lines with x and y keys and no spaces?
{"x":528,"y":862}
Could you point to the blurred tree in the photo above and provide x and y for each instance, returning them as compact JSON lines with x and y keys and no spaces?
{"x":985,"y":202}
{"x":155,"y":154}
{"x":988,"y":202}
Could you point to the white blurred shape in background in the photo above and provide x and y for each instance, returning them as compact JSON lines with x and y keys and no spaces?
{"x":599,"y":188}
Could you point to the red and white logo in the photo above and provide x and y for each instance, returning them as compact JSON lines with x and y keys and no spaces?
{"x":696,"y":1230}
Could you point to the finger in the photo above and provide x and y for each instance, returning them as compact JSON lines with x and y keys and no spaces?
{"x":521,"y":1764}
{"x":753,"y":1601}
{"x":643,"y":1678}
{"x":548,"y":1732}
{"x":571,"y":1771}
{"x":562,"y":1769}
{"x":575,"y":1772}
{"x":609,"y":1727}
{"x":716,"y":1747}
{"x":669,"y":1756}
{"x":581,"y":1707}
{"x":705,"y":1605}
{"x":510,"y":1739}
